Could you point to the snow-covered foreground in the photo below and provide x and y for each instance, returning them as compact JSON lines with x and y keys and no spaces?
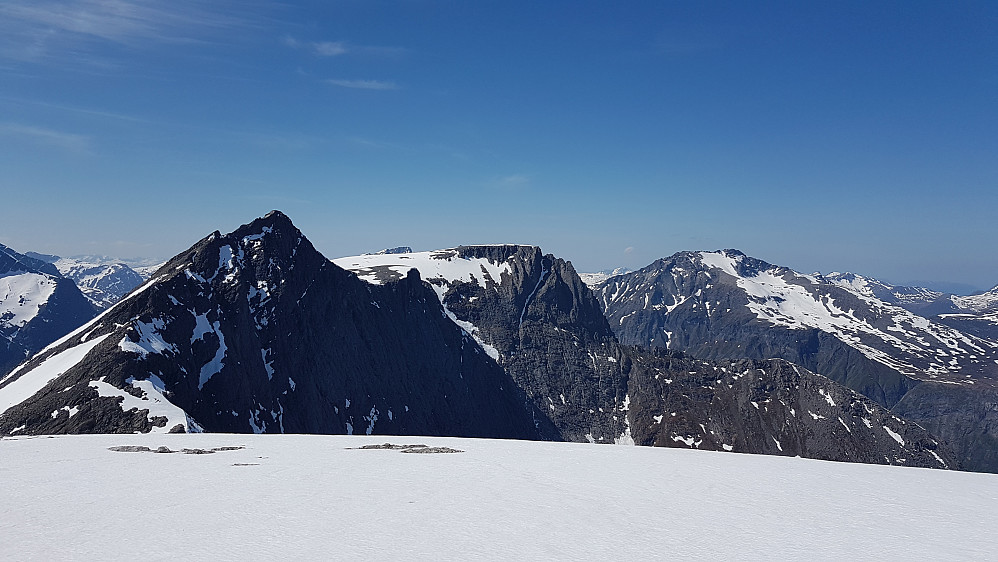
{"x":293,"y":497}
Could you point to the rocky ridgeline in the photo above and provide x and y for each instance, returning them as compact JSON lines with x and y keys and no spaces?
{"x":255,"y":331}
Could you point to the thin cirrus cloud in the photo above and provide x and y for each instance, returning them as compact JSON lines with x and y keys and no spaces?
{"x":59,"y":139}
{"x":318,"y":48}
{"x":511,"y":182}
{"x":364,"y":84}
{"x":35,"y":30}
{"x":337,"y":48}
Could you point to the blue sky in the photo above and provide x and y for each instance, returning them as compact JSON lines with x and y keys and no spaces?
{"x":841,"y":136}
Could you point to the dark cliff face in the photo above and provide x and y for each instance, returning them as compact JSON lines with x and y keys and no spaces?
{"x":257,"y":331}
{"x":771,"y":407}
{"x":64,"y":309}
{"x":552,"y":339}
{"x":725,"y":305}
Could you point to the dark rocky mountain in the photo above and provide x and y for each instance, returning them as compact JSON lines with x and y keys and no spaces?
{"x":257,"y":331}
{"x":543,"y":325}
{"x":37,"y":306}
{"x":725,"y":305}
{"x":768,"y":406}
{"x":534,"y":316}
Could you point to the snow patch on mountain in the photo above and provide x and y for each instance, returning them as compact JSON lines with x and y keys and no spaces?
{"x":150,"y":339}
{"x":22,"y":296}
{"x":441,"y":264}
{"x":26,"y":385}
{"x":152,"y":399}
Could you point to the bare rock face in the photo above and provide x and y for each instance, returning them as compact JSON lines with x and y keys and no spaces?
{"x":769,"y":406}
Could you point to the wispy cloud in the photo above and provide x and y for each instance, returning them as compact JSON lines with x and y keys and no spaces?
{"x":78,"y":110}
{"x":33,"y":30}
{"x":337,"y":48}
{"x":60,"y":139}
{"x":511,"y":182}
{"x":329,"y":48}
{"x":364,"y":84}
{"x":514,"y":180}
{"x":319,"y":48}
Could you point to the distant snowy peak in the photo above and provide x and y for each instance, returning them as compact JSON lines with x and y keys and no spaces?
{"x":896,"y":294}
{"x":986,"y":302}
{"x":37,"y":306}
{"x":102,"y":282}
{"x":599,"y":277}
{"x":710,"y":285}
{"x":395,"y":250}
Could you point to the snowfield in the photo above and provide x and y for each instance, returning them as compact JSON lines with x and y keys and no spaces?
{"x":318,"y":497}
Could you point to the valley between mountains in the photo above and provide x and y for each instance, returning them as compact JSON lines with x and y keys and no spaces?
{"x":255,"y":331}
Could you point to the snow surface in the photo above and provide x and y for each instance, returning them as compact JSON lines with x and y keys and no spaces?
{"x":22,"y":295}
{"x":309,"y":497}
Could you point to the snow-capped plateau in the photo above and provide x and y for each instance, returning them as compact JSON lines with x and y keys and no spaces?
{"x":261,"y":496}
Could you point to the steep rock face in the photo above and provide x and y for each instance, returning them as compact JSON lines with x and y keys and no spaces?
{"x":966,"y":417}
{"x":719,"y":305}
{"x":37,"y":306}
{"x":257,"y":331}
{"x":770,"y":406}
{"x":534,"y":316}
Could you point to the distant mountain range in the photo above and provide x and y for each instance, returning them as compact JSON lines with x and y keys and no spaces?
{"x":37,"y":306}
{"x":255,"y":331}
{"x":909,"y":349}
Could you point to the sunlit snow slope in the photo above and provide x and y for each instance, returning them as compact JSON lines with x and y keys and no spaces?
{"x":319,"y":497}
